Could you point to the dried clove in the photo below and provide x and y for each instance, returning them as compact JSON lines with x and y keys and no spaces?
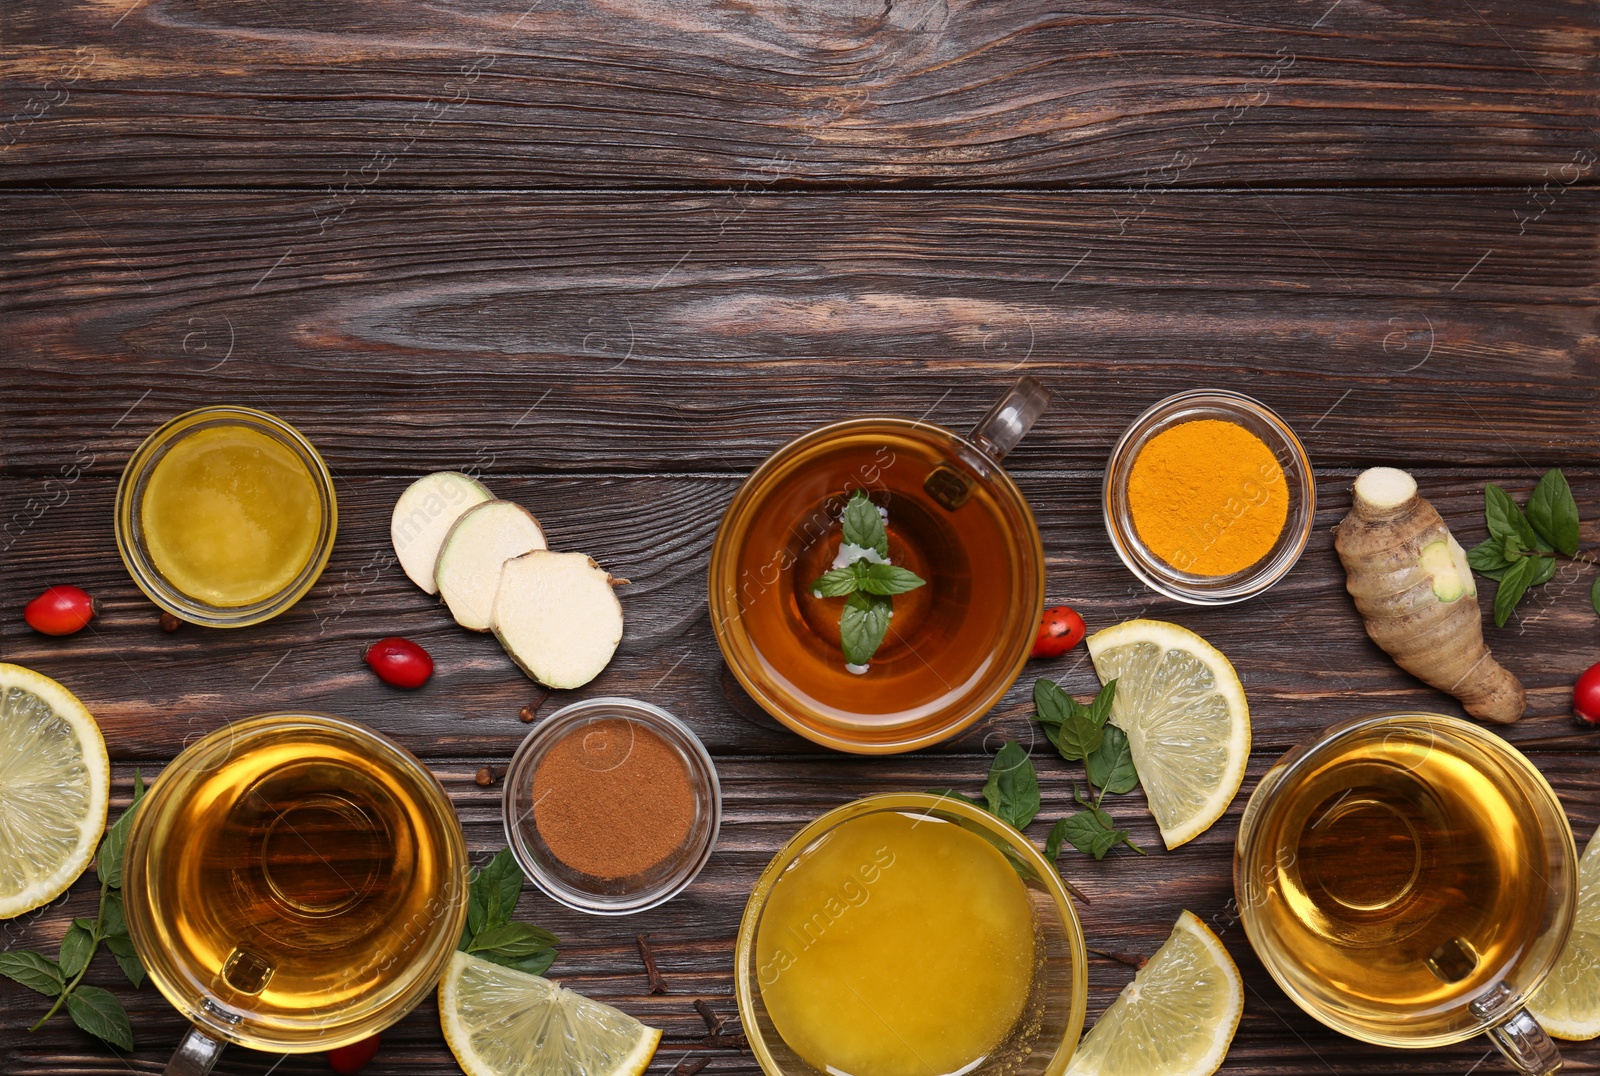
{"x":531,"y":710}
{"x":658,"y":985}
{"x":1132,"y":960}
{"x":713,"y":1021}
{"x":689,"y":1066}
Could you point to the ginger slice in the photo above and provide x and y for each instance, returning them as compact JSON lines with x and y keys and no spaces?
{"x":473,"y":553}
{"x":558,"y":617}
{"x":423,"y":516}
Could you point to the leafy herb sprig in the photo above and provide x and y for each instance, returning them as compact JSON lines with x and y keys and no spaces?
{"x":1522,"y":547}
{"x":867,"y":579}
{"x":94,"y":1010}
{"x":490,"y":933}
{"x":1083,"y":733}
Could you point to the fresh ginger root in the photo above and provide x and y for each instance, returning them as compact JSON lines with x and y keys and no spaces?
{"x":1414,"y":589}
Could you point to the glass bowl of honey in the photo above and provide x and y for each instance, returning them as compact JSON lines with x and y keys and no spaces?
{"x":910,"y":933}
{"x":1209,"y":497}
{"x":226,"y":516}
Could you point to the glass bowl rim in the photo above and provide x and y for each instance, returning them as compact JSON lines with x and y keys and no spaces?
{"x":1044,"y":871}
{"x":722,"y":561}
{"x":702,"y":775}
{"x":135,"y":557}
{"x":1250,"y":581}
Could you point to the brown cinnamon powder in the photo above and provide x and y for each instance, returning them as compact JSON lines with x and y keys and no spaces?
{"x":612,"y":799}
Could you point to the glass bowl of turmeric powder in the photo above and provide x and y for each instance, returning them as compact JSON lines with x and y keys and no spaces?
{"x":1209,"y":497}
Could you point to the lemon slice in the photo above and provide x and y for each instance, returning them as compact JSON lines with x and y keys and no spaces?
{"x":1184,"y":711}
{"x":1568,"y":1003}
{"x":1176,"y":1018}
{"x":500,"y":1022}
{"x":55,"y":781}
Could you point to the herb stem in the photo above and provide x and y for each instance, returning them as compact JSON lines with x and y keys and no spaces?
{"x":94,"y":947}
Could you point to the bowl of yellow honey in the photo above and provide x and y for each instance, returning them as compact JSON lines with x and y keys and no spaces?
{"x":910,"y":934}
{"x":226,"y":516}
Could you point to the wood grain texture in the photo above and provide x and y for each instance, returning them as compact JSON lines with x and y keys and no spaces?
{"x":570,"y":333}
{"x":369,"y":95}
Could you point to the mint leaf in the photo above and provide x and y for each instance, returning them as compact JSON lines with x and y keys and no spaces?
{"x":115,"y":842}
{"x":884,"y":578}
{"x":1544,"y":570}
{"x":1110,"y":765}
{"x":863,"y":524}
{"x":101,"y":1015}
{"x":1099,"y":710}
{"x":493,"y":895}
{"x":950,"y":793}
{"x":1553,"y":513}
{"x":1512,"y":586}
{"x":1052,"y":706}
{"x":32,"y":970}
{"x":862,"y":626}
{"x":112,"y":918}
{"x":837,"y":583}
{"x":1052,"y":843}
{"x":1506,"y":520}
{"x":1091,"y":832}
{"x":77,"y":946}
{"x":127,"y":959}
{"x":513,"y":940}
{"x":1489,"y":558}
{"x":1078,"y":736}
{"x":1012,"y":790}
{"x":535,"y":963}
{"x":1594,"y":596}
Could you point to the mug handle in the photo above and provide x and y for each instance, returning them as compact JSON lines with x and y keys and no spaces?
{"x":1519,"y":1037}
{"x":998,"y":432}
{"x":196,"y":1054}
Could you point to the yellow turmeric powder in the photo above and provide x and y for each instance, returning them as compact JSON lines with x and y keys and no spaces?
{"x":1208,"y":497}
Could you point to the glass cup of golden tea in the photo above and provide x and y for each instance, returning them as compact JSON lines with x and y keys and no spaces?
{"x":226,"y":516}
{"x":910,"y":934}
{"x":293,"y":883}
{"x":1409,"y":879}
{"x":611,"y":806}
{"x":951,"y":647}
{"x":1209,"y":497}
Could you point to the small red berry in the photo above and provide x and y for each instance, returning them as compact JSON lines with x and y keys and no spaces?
{"x":1586,"y":696}
{"x":400,"y":662}
{"x":60,"y":611}
{"x":1060,"y":629}
{"x":349,"y":1060}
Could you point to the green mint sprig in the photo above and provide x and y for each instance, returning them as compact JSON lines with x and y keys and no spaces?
{"x":867,"y":581}
{"x":490,"y":933}
{"x":1083,"y":733}
{"x":1522,"y":547}
{"x":94,"y":1010}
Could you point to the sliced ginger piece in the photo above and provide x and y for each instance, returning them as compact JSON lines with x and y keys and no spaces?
{"x":558,"y":617}
{"x":473,"y":553}
{"x":423,"y":517}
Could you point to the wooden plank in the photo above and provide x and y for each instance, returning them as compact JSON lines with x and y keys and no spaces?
{"x":581,"y":333}
{"x":350,"y":98}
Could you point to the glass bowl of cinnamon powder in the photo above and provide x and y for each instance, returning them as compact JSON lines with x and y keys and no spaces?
{"x":612,"y":806}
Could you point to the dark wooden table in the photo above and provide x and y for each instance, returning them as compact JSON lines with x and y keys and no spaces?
{"x":610,"y":255}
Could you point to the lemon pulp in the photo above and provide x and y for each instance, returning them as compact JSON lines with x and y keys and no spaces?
{"x":898,"y":945}
{"x":230,"y":515}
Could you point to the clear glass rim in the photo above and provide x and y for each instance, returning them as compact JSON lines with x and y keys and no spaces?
{"x":919,"y":734}
{"x":1196,"y":589}
{"x":702,"y":773}
{"x":130,"y":535}
{"x":1044,"y":871}
{"x":1307,"y":755}
{"x":427,"y":971}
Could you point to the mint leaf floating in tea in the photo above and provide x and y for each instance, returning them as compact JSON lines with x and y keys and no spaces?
{"x":864,"y":577}
{"x":94,"y":1010}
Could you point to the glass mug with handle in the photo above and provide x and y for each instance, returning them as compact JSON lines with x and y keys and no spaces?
{"x":1409,"y":879}
{"x":293,"y":883}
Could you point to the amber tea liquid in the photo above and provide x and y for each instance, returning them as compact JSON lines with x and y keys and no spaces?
{"x":293,"y":882}
{"x":1397,"y":880}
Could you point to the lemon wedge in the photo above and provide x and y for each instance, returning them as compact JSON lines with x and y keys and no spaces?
{"x":1568,"y":1002}
{"x":1176,"y":1018}
{"x":500,"y":1022}
{"x":55,"y":781}
{"x":1184,"y":711}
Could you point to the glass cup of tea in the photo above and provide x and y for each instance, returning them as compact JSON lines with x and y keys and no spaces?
{"x":953,"y":516}
{"x":293,"y":883}
{"x":1409,"y":879}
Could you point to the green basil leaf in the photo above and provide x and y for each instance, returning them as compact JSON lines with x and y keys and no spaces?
{"x":101,"y":1015}
{"x":535,"y":963}
{"x":115,"y":842}
{"x":76,"y":948}
{"x":1544,"y":570}
{"x":127,"y":958}
{"x":1553,"y":513}
{"x":33,"y":970}
{"x":1489,"y":557}
{"x":862,"y":626}
{"x":886,"y":578}
{"x":1013,"y":786}
{"x":837,"y":583}
{"x":1512,"y":586}
{"x":1099,"y":710}
{"x":1110,"y":765}
{"x":513,"y":940}
{"x":1051,"y":705}
{"x":1077,"y":737}
{"x":863,"y":524}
